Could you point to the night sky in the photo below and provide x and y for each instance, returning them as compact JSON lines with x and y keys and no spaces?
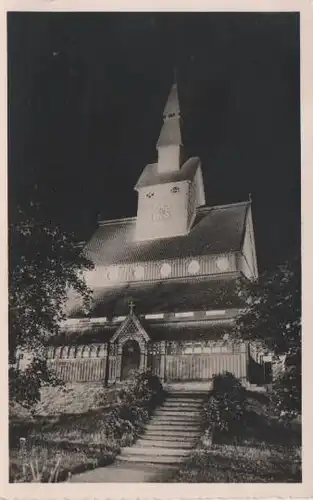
{"x":86,"y":96}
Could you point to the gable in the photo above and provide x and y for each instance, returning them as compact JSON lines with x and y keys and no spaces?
{"x":131,"y":328}
{"x":248,"y":257}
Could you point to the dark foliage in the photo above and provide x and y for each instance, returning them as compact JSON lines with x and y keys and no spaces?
{"x":272,"y":311}
{"x":272,"y":317}
{"x":286,"y":394}
{"x":225,"y":411}
{"x":45,"y":263}
{"x":24,"y":386}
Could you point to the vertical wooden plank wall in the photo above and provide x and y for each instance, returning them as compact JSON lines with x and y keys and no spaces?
{"x":80,"y":370}
{"x":204,"y":366}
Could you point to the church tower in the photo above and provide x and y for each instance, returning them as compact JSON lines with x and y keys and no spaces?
{"x":170,"y":190}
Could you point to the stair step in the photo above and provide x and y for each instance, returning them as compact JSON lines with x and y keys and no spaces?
{"x":169,"y":417}
{"x":166,"y":434}
{"x":177,"y":416}
{"x":170,"y":391}
{"x":182,"y":404}
{"x":179,"y":423}
{"x":181,"y":410}
{"x":165,"y":426}
{"x":152,"y":459}
{"x":185,"y":400}
{"x":175,"y":413}
{"x":182,"y":397}
{"x":148,"y":443}
{"x":170,"y":437}
{"x":170,"y":452}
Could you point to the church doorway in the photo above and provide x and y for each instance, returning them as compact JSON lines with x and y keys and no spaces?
{"x":130,"y":358}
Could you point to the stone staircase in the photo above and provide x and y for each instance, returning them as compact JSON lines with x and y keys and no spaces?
{"x":171,"y":433}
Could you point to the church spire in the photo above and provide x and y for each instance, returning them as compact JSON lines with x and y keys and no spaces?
{"x":172,"y":108}
{"x":170,"y":141}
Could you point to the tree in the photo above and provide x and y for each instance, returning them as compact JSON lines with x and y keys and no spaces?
{"x":272,"y":316}
{"x":45,"y":263}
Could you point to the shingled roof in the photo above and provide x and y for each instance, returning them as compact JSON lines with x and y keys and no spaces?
{"x":164,"y":296}
{"x":215,"y":230}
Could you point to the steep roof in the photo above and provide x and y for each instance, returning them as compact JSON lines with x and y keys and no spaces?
{"x":215,"y":230}
{"x":172,"y":107}
{"x":172,"y":295}
{"x":151,"y":176}
{"x":170,"y":133}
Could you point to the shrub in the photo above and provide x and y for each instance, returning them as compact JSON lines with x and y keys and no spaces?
{"x":143,"y":389}
{"x":286,"y":394}
{"x":138,"y":397}
{"x":226,"y":407}
{"x":226,"y":383}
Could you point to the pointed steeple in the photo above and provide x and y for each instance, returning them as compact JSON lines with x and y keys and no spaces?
{"x":172,"y":108}
{"x":170,"y":139}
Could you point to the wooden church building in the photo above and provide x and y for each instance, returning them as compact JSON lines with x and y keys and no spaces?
{"x":164,"y":281}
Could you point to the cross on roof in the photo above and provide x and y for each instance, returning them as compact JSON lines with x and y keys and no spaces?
{"x":131,"y":307}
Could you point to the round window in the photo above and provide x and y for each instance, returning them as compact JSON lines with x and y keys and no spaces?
{"x":113,"y":273}
{"x":222,"y":263}
{"x":194,"y":267}
{"x":139,"y":272}
{"x":165,"y":270}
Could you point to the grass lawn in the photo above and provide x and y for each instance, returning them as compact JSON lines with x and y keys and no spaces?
{"x":240,"y":464}
{"x":44,"y":459}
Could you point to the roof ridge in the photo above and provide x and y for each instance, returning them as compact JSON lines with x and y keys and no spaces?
{"x":207,"y":208}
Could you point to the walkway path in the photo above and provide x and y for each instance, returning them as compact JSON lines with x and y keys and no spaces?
{"x":122,"y":473}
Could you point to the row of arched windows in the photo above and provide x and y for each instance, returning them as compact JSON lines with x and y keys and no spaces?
{"x":79,"y":351}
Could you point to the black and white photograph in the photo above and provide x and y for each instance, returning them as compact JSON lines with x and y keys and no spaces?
{"x":154,"y":247}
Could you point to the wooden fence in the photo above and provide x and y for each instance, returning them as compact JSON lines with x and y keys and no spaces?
{"x":80,"y":370}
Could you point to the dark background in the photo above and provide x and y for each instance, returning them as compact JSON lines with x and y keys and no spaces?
{"x":86,"y":96}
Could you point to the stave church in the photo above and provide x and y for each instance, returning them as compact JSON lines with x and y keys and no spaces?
{"x":164,"y":281}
